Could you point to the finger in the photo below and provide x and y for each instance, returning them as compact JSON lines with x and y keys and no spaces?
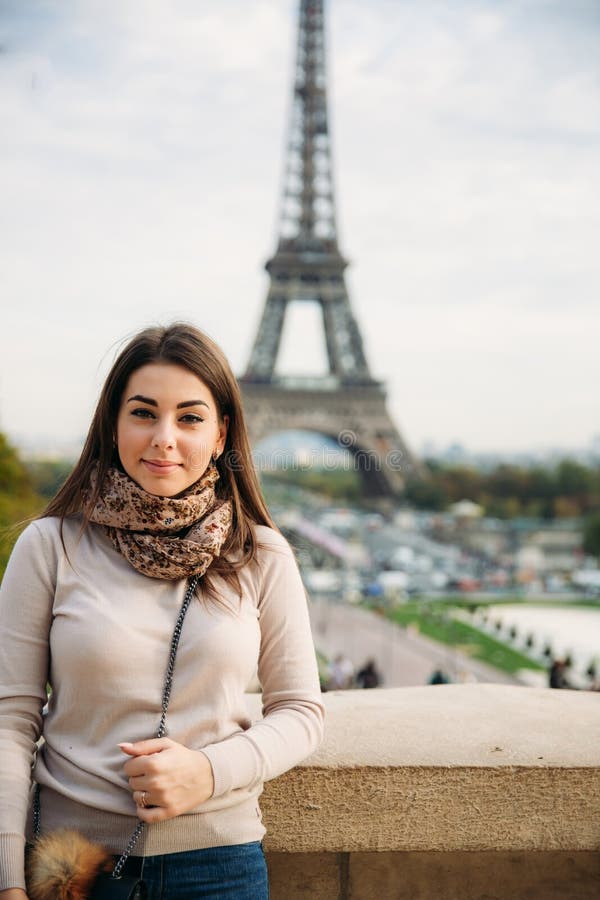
{"x":142,"y":799}
{"x":144,"y":748}
{"x":153,"y":814}
{"x":139,"y":783}
{"x":138,"y":766}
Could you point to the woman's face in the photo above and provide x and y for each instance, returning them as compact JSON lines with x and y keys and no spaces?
{"x":168,"y":428}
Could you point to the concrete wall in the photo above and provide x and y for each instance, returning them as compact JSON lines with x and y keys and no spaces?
{"x":473,"y":792}
{"x":434,"y":876}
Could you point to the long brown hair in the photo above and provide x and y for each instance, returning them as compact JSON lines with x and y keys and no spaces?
{"x":184,"y":345}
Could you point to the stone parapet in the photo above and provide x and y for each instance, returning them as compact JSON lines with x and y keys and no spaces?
{"x":457,"y":780}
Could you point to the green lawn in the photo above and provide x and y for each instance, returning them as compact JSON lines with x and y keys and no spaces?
{"x":436,"y":622}
{"x":465,"y":602}
{"x":323,"y":666}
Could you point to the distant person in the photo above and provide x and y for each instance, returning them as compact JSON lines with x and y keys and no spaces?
{"x":439,"y":677}
{"x":341,"y":674}
{"x":557,"y":675}
{"x":368,"y":677}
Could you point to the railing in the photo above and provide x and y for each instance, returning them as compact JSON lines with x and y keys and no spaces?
{"x":452,"y":792}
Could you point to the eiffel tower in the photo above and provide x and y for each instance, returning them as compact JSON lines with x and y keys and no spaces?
{"x":347,"y":404}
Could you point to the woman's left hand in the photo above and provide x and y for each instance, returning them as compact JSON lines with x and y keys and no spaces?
{"x":167,"y":779}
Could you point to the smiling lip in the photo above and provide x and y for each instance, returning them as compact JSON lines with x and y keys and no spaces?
{"x":160,"y":465}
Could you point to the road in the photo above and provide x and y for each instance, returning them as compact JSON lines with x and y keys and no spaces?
{"x":403,"y":656}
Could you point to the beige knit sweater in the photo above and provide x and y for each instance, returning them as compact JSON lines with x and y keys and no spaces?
{"x":98,"y":631}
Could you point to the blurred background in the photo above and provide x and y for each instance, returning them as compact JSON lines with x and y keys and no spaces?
{"x":141,"y":168}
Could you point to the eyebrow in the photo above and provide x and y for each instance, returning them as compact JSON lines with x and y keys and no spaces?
{"x":184,"y":405}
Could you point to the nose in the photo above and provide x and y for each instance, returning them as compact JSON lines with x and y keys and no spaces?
{"x":163,"y":436}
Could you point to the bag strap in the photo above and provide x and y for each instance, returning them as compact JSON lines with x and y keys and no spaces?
{"x":161,"y":730}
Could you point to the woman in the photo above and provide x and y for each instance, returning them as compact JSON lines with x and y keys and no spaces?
{"x":164,"y":490}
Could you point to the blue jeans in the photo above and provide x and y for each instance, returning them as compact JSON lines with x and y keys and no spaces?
{"x":237,"y":872}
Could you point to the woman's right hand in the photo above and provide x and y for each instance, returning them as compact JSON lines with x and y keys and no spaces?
{"x":13,"y":894}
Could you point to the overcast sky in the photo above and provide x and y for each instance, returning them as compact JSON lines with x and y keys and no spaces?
{"x":141,"y":154}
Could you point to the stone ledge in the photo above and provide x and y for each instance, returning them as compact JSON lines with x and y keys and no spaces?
{"x":472,"y":767}
{"x":434,"y":876}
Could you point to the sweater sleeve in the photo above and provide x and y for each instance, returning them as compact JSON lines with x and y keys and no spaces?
{"x":292,"y":723}
{"x":26,"y":599}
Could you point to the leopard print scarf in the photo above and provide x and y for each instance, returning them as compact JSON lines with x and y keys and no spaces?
{"x":163,"y":537}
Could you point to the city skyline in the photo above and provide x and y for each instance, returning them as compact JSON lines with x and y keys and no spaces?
{"x":141,"y":178}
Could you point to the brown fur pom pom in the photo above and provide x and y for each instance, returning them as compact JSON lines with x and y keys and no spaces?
{"x":63,"y":866}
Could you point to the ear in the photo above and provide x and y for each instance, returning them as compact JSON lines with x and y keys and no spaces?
{"x":223,"y":428}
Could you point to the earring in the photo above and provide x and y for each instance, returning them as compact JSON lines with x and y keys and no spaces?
{"x":215,"y":456}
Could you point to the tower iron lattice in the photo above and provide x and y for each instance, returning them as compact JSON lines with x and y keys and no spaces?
{"x":347,"y":403}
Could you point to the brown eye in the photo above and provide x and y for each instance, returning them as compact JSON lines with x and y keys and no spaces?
{"x":191,"y":418}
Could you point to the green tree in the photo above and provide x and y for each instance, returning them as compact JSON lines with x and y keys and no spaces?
{"x":461,"y":483}
{"x":591,"y":534}
{"x":18,"y":499}
{"x":573,"y":479}
{"x":47,"y":475}
{"x":426,"y":494}
{"x":576,"y":483}
{"x":508,"y":481}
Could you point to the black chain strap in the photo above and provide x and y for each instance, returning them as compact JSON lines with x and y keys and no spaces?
{"x":161,"y":731}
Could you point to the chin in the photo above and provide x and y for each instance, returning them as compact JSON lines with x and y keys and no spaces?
{"x":164,"y":490}
{"x":160,"y":487}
